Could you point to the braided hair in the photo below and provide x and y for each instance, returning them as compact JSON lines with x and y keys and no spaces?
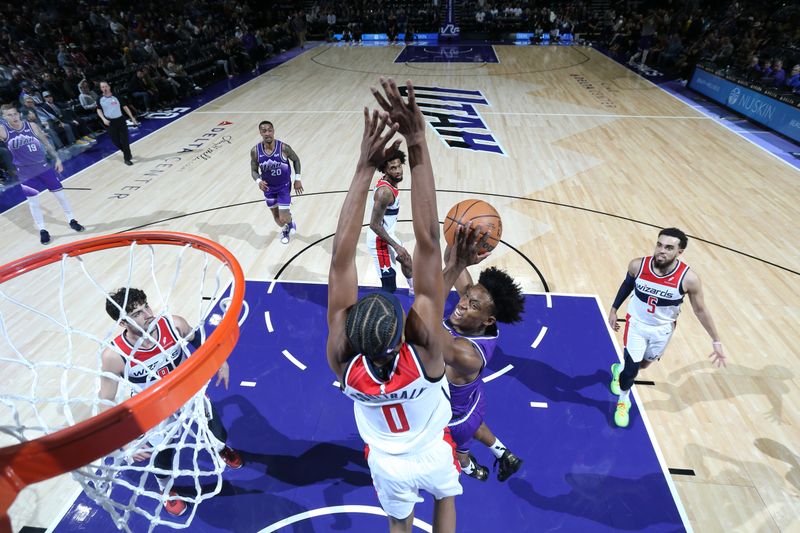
{"x":372,"y":324}
{"x":508,"y":302}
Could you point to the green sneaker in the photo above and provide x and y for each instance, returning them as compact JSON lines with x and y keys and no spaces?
{"x":621,"y":418}
{"x":616,"y":370}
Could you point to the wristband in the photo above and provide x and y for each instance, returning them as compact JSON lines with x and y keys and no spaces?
{"x":296,"y":177}
{"x":716,"y":343}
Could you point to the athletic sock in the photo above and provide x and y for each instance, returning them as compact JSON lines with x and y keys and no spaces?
{"x":624,"y":395}
{"x":470,"y":468}
{"x":36,"y":211}
{"x":498,"y":448}
{"x":62,"y":199}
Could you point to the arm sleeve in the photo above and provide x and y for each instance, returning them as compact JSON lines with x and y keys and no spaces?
{"x":624,"y":291}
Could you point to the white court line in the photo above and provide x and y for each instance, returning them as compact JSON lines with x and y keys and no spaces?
{"x":337,"y":509}
{"x":268,"y":321}
{"x":549,"y":300}
{"x":247,"y":384}
{"x":497,"y":374}
{"x":61,"y":514}
{"x":541,"y":405}
{"x":337,"y":384}
{"x":294,"y":361}
{"x":676,"y":498}
{"x":539,"y":337}
{"x":499,"y":113}
{"x":271,"y":286}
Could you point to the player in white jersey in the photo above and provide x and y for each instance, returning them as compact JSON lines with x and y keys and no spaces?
{"x":390,"y":364}
{"x":658,"y":283}
{"x":148,"y":349}
{"x":382,"y":243}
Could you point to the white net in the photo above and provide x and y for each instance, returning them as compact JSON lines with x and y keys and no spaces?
{"x":54,"y":329}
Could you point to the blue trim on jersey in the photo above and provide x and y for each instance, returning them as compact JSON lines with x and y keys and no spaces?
{"x":391,"y":212}
{"x":660,"y":301}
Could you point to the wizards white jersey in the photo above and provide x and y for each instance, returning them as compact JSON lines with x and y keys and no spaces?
{"x":402,"y":415}
{"x":161,"y":358}
{"x":657,"y":299}
{"x":391,"y":213}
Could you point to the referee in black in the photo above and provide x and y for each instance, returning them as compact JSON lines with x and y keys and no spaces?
{"x":110,"y":112}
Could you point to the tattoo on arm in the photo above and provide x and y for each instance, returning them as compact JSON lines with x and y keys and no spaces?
{"x":254,"y":166}
{"x":292,"y":157}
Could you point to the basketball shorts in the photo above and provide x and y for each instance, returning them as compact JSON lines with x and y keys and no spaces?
{"x":383,"y":255}
{"x":644,"y":341}
{"x":280,"y":197}
{"x":47,"y":180}
{"x":463,"y":427}
{"x":399,"y":478}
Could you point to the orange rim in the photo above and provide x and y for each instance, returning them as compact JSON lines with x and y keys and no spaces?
{"x":66,"y":450}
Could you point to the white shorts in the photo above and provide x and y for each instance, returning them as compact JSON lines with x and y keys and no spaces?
{"x":399,"y":478}
{"x":383,"y":255}
{"x":644,"y":341}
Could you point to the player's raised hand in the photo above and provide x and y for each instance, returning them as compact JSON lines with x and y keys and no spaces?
{"x":718,"y":357}
{"x":411,"y":123}
{"x":378,"y":131}
{"x":223,"y":375}
{"x":469,"y":239}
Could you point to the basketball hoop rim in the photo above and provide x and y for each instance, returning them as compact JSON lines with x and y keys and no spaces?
{"x":66,"y":450}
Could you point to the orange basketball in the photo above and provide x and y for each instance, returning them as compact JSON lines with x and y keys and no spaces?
{"x":480,"y":213}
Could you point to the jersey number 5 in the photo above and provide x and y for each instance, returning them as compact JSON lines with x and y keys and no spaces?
{"x":395,"y":417}
{"x":652,"y":302}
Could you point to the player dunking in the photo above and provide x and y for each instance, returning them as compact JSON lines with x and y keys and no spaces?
{"x":269,"y":167}
{"x":473,"y":325}
{"x":152,"y":348}
{"x":382,"y":243}
{"x":659,"y":283}
{"x":388,"y":363}
{"x":30,"y":146}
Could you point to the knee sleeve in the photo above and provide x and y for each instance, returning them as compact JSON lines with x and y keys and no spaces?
{"x":628,"y":373}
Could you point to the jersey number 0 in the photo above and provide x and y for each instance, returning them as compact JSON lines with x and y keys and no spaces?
{"x":395,"y":417}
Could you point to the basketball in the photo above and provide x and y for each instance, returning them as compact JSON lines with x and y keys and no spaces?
{"x":479,"y":213}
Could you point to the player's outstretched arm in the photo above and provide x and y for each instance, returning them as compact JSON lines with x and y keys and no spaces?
{"x":428,"y":304}
{"x":692,"y":285}
{"x":464,"y":253}
{"x":342,"y":276}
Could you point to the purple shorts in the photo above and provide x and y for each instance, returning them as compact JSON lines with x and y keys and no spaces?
{"x":47,"y":180}
{"x":463,"y":427}
{"x":280,"y":197}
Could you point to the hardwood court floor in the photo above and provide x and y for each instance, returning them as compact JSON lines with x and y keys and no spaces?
{"x":597,"y":159}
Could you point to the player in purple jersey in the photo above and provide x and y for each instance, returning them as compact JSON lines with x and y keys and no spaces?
{"x":30,"y":147}
{"x":473,"y":326}
{"x":269,"y":167}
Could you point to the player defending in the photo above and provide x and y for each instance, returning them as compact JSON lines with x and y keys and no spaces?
{"x":30,"y":146}
{"x":145,"y":359}
{"x":269,"y":167}
{"x":659,"y":283}
{"x":382,"y":243}
{"x":473,"y":325}
{"x":388,"y":363}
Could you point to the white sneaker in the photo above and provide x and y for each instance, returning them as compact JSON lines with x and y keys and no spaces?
{"x":285,"y":236}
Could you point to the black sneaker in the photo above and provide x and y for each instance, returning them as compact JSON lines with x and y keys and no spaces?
{"x":480,"y":472}
{"x":128,"y":162}
{"x":509,"y":463}
{"x":44,"y":236}
{"x":76,"y":226}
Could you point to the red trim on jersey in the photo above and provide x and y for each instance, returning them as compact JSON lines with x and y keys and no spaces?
{"x":448,"y":438}
{"x":383,"y":183}
{"x":671,"y":279}
{"x":382,"y":251}
{"x":625,"y":334}
{"x":366,"y":452}
{"x":405,"y":372}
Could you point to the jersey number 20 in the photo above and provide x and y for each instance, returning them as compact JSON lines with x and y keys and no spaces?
{"x":395,"y":417}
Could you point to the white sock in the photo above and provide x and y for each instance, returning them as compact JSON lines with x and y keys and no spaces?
{"x":162,"y":482}
{"x":470,"y":468}
{"x":410,"y":283}
{"x":62,"y":199}
{"x":624,"y":395}
{"x":498,"y":448}
{"x":36,"y":211}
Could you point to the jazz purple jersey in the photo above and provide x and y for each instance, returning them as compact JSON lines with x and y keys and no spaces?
{"x":464,"y":398}
{"x":28,"y":151}
{"x":274,"y":168}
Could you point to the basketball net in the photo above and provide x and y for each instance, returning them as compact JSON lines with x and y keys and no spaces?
{"x":53,"y":331}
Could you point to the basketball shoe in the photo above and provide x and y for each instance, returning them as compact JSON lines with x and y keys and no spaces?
{"x":285,"y":234}
{"x":621,"y":417}
{"x":74,"y":224}
{"x":479,"y":472}
{"x":44,"y":236}
{"x":509,"y":463}
{"x":231,"y":457}
{"x":292,"y":228}
{"x":174,"y":506}
{"x":616,"y":370}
